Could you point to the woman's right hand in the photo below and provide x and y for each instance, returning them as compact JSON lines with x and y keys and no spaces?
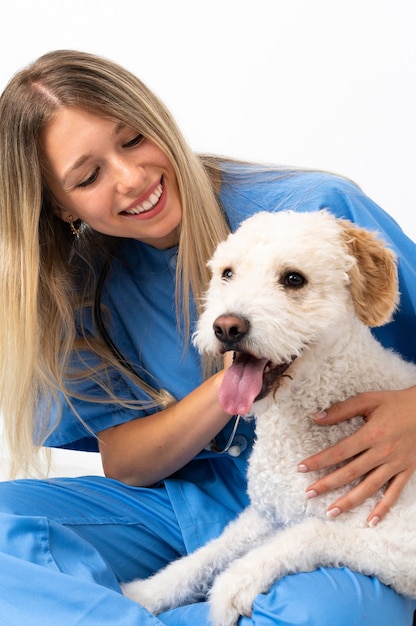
{"x":228,"y":359}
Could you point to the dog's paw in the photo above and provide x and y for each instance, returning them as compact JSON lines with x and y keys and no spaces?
{"x":168,"y":589}
{"x":232,"y":595}
{"x":148,"y":593}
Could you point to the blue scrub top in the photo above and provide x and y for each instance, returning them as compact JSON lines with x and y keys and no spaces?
{"x":140,"y":295}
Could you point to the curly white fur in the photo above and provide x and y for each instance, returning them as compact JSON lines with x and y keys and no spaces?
{"x":350,"y":284}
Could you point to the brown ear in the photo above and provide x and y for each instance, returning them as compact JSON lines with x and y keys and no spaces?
{"x":374,"y":281}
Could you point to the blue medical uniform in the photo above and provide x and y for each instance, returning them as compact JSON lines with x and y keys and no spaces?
{"x":66,"y":544}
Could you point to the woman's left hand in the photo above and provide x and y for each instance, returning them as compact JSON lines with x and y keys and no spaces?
{"x":382,"y":452}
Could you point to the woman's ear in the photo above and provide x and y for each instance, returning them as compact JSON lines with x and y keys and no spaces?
{"x":75,"y":224}
{"x":60,"y":211}
{"x":374,"y":280}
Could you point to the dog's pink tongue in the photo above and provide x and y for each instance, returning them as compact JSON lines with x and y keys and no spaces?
{"x":241,"y":384}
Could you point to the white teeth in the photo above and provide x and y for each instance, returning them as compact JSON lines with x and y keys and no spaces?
{"x":148,"y":204}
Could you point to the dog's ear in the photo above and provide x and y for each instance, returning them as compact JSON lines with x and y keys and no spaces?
{"x":374,"y":281}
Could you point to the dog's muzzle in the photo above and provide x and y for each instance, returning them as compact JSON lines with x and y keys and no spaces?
{"x":249,"y":378}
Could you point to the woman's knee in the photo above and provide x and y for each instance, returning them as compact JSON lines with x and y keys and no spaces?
{"x":330,"y":596}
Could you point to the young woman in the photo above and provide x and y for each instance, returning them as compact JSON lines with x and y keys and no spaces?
{"x":107,"y":220}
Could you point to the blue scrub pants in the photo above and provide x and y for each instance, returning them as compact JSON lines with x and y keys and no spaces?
{"x":66,"y":543}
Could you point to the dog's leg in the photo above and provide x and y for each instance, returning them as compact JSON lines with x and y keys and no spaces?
{"x":189,"y":579}
{"x":304,"y":548}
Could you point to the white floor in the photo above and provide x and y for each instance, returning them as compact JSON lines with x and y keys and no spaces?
{"x":63,"y":463}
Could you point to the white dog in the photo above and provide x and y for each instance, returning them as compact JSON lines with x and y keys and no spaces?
{"x":293,"y":294}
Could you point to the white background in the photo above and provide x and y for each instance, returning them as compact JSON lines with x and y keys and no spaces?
{"x":317,"y":83}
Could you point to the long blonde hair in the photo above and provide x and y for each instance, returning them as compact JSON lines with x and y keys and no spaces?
{"x":37,"y":316}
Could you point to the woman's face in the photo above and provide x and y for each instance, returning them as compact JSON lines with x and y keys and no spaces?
{"x":111,"y":178}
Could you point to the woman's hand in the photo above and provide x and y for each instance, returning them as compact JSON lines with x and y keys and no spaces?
{"x":228,"y":359}
{"x":382,"y":452}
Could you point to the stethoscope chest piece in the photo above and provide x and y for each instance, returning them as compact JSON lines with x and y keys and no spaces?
{"x":235,"y":445}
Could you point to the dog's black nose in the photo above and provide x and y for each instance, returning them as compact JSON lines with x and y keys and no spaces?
{"x":230,"y":329}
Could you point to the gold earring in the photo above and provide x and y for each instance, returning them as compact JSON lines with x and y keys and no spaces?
{"x":76,"y":230}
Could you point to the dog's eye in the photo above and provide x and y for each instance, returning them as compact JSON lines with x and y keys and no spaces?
{"x":227,"y":274}
{"x":293,"y":279}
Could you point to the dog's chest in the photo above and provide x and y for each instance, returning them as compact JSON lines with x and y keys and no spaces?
{"x":275,"y":486}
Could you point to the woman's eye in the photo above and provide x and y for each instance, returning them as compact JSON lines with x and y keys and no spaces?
{"x":91,"y":179}
{"x":134,"y":142}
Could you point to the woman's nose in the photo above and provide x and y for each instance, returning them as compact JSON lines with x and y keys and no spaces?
{"x":128,"y":175}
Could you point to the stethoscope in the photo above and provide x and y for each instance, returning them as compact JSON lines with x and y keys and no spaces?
{"x":234,"y":446}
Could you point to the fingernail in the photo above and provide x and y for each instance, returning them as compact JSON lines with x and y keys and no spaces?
{"x":302,"y":468}
{"x":374,"y":521}
{"x":311,"y":493}
{"x":320,"y":415}
{"x":333,"y":512}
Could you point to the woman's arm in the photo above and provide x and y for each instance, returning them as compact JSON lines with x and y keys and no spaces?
{"x":382,"y":452}
{"x":143,"y":451}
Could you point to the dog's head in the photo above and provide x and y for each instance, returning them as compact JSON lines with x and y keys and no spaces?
{"x":284,"y":282}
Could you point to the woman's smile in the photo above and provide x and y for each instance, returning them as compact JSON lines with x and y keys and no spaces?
{"x":153,"y":203}
{"x":112,"y":178}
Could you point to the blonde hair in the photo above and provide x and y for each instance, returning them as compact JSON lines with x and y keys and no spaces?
{"x":37,"y":277}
